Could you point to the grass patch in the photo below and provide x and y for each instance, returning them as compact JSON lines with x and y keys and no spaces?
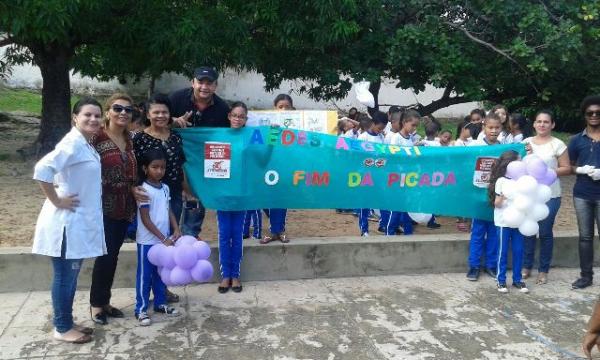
{"x":20,"y":100}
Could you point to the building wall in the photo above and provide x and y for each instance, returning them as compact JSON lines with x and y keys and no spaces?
{"x":244,"y":86}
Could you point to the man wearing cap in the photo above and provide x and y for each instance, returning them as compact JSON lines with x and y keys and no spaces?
{"x":198,"y":106}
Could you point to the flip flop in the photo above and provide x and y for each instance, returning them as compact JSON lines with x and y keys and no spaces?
{"x":542,"y":278}
{"x":266,"y":240}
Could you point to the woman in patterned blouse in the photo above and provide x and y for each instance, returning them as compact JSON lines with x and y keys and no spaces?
{"x":119,"y":169}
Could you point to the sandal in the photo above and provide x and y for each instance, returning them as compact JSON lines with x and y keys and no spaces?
{"x":83,"y":329}
{"x":99,"y":318}
{"x":268,"y":239}
{"x":113,"y":312}
{"x":84,"y":338}
{"x":283,"y":238}
{"x":172,"y":297}
{"x":526,"y":273}
{"x":542,"y":278}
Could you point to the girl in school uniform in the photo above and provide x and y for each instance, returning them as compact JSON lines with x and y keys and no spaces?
{"x":231,"y":224}
{"x":277,"y":217}
{"x":506,"y":235}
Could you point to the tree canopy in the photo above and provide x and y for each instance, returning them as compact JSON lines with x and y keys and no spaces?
{"x":528,"y":54}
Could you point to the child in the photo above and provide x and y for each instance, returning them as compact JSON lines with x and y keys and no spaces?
{"x":253,"y":218}
{"x":445,"y":138}
{"x":408,"y":125}
{"x":520,"y":129}
{"x":498,"y":182}
{"x":277,"y":217}
{"x":483,"y":235}
{"x":431,"y":132}
{"x":395,"y":116}
{"x":345,"y":125}
{"x":374,"y":134}
{"x":153,"y":219}
{"x":394,"y":126}
{"x":464,"y":135}
{"x":231,"y":223}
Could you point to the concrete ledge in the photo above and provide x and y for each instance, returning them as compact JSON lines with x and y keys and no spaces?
{"x":300,"y":259}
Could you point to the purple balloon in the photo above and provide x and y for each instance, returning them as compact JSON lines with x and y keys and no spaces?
{"x":180,"y":276}
{"x":202,"y":250}
{"x":155,"y":254}
{"x":185,"y":240}
{"x":185,"y":256}
{"x":165,"y":276}
{"x":203,"y":271}
{"x":516,"y":169}
{"x":537,"y":168}
{"x":168,"y":257}
{"x":549,"y":178}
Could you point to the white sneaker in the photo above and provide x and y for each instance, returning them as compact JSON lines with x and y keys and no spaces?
{"x":502,"y":288}
{"x":144,"y":319}
{"x":365,"y":234}
{"x":167,"y":310}
{"x":522,"y":287}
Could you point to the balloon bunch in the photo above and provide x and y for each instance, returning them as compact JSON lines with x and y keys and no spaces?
{"x":363,"y":95}
{"x":527,"y":193}
{"x":183,"y":263}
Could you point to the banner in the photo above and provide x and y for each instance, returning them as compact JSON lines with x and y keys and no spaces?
{"x":321,"y":121}
{"x":274,"y":167}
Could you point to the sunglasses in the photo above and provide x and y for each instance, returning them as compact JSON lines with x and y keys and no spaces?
{"x":592,"y":113}
{"x":120,"y":108}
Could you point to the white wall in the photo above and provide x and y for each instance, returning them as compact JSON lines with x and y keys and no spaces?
{"x":247,"y":87}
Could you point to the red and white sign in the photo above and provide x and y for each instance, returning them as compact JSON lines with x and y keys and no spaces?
{"x":217,"y":160}
{"x":483,"y":169}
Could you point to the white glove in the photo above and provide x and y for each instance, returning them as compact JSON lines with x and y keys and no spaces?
{"x":595,"y":174}
{"x":585,"y":170}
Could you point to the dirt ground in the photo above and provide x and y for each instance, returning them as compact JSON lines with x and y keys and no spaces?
{"x":21,"y":200}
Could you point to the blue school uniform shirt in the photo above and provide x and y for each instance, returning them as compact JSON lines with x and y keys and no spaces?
{"x":583,"y":150}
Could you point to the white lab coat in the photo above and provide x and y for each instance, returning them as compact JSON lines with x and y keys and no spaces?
{"x":74,"y":168}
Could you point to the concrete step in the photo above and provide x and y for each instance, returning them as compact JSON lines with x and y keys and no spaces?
{"x":302,"y":258}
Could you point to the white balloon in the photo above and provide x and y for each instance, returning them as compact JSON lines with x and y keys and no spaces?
{"x":363,"y":95}
{"x":523,"y":202}
{"x":530,"y":157}
{"x":543,"y":193}
{"x":509,"y":189}
{"x":526,"y":184}
{"x":420,"y":217}
{"x":529,"y":227}
{"x":539,"y":212}
{"x":512,"y":217}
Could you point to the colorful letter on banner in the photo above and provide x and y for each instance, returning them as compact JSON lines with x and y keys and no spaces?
{"x":274,"y":167}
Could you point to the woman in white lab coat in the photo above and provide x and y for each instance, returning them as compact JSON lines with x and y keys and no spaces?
{"x":69,"y":227}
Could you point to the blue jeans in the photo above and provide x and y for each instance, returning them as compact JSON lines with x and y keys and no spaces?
{"x":64,"y":285}
{"x":546,"y":240}
{"x":231,"y":224}
{"x":513,"y":237}
{"x":483,"y":238}
{"x":588,"y":212}
{"x":147,"y":277}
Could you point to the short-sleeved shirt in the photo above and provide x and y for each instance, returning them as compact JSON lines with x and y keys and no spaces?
{"x":400,"y":140}
{"x":158,"y":205}
{"x":499,"y":211}
{"x":119,"y":175}
{"x":215,"y":115}
{"x":583,"y":150}
{"x":549,"y":152}
{"x":173,"y":148}
{"x":368,"y":136}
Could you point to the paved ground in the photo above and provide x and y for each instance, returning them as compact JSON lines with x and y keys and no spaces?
{"x":390,"y":317}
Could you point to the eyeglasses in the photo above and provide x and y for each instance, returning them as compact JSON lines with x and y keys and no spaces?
{"x":592,"y":113}
{"x":121,"y":108}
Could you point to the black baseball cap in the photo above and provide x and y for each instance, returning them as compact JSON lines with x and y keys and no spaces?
{"x":206,"y":72}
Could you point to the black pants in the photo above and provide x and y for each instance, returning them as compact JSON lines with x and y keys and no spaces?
{"x":105,"y":266}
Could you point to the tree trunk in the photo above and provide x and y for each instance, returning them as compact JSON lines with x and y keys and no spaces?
{"x":374,"y":87}
{"x":53,"y":62}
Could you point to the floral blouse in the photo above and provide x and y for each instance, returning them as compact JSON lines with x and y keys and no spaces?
{"x":119,"y":175}
{"x":173,"y":148}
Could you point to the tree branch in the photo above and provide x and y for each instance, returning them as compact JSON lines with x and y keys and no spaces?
{"x":6,"y":41}
{"x":440,"y":104}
